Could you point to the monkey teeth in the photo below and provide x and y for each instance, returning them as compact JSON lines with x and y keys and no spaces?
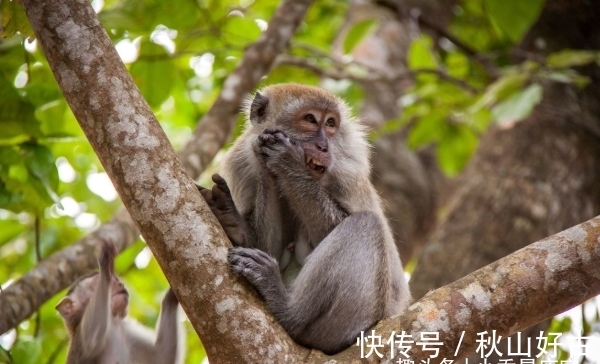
{"x":314,"y":161}
{"x":315,"y":165}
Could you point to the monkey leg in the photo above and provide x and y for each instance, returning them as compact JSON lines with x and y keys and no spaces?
{"x":341,"y":289}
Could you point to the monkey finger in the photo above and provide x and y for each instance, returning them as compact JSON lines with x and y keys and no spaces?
{"x":244,"y":267}
{"x":266,"y":139}
{"x":220,"y":181}
{"x":200,"y":188}
{"x":208,"y":196}
{"x":221,"y":199}
{"x":273,"y":131}
{"x":252,"y":254}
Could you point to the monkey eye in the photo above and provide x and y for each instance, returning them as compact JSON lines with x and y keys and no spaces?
{"x":310,"y":118}
{"x":330,"y":122}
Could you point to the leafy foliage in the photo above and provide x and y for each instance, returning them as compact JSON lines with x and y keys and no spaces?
{"x":179,"y":53}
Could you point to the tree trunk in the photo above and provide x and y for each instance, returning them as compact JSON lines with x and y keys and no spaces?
{"x":531,"y":180}
{"x":26,"y":295}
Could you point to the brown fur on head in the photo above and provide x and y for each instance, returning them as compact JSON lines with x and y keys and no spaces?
{"x":286,"y":99}
{"x":287,"y":106}
{"x":72,"y":306}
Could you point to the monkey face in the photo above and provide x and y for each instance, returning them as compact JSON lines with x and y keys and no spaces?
{"x":313,"y":127}
{"x":310,"y":118}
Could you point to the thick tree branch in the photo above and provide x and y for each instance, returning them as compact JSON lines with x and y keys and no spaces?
{"x":509,"y":295}
{"x":23,"y":297}
{"x":179,"y":228}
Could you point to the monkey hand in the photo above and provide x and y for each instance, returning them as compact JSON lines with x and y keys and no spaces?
{"x":254,"y":265}
{"x":278,"y":150}
{"x":222,"y":206}
{"x":106,"y":261}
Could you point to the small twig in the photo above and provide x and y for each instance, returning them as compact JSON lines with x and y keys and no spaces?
{"x":335,"y":74}
{"x":337,"y":63}
{"x":38,"y":258}
{"x":370,"y":74}
{"x":399,"y":10}
{"x":38,"y":252}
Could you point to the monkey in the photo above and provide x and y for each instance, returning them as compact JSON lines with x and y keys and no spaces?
{"x":307,"y":226}
{"x":95,"y":314}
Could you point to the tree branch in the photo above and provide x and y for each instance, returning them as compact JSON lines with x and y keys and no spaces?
{"x":509,"y":295}
{"x":185,"y":237}
{"x":215,"y":127}
{"x":60,"y":270}
{"x":402,"y":13}
{"x":369,"y":74}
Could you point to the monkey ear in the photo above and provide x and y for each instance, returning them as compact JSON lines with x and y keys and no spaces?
{"x":258,"y":109}
{"x":65,"y":307}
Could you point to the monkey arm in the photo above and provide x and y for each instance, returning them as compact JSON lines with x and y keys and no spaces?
{"x":317,"y":210}
{"x":168,"y":333}
{"x":96,"y":320}
{"x":307,"y":197}
{"x":161,"y":347}
{"x":326,"y":314}
{"x":221,"y":203}
{"x":260,"y":198}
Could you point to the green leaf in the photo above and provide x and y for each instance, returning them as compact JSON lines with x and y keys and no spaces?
{"x":13,"y":20}
{"x":518,"y":106}
{"x":18,"y":172}
{"x":26,"y":350}
{"x":4,"y":356}
{"x":457,"y":65}
{"x":7,"y":199}
{"x":572,"y":58}
{"x":563,"y":325}
{"x":426,"y":131}
{"x":568,"y":75}
{"x":9,"y":228}
{"x":154,"y":74}
{"x":455,"y":148}
{"x":420,"y":54}
{"x":514,"y":17}
{"x":16,"y":114}
{"x":358,"y":32}
{"x":241,"y":30}
{"x":500,"y":89}
{"x":40,"y":163}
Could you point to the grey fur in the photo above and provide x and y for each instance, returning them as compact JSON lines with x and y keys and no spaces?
{"x":94,"y":312}
{"x":345,"y":274}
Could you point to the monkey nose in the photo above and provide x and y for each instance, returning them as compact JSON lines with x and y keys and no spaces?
{"x":322,"y":148}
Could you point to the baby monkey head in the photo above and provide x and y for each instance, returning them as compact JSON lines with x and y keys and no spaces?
{"x":72,"y":307}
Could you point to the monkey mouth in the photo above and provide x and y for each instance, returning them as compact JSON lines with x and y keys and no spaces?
{"x":315,"y":165}
{"x":123,"y":292}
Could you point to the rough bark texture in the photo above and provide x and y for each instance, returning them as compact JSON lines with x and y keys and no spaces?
{"x":174,"y":219}
{"x":185,"y":237}
{"x":63,"y":267}
{"x":528,"y":181}
{"x":531,"y":180}
{"x":515,"y":192}
{"x":517,"y":291}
